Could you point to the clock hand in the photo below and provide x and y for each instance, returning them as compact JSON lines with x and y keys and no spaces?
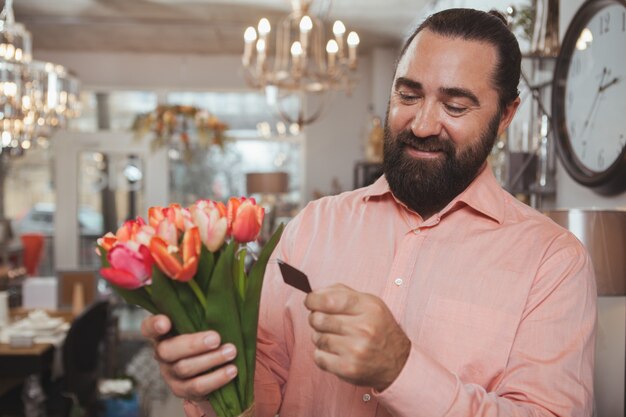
{"x":610,"y":83}
{"x":595,"y":100}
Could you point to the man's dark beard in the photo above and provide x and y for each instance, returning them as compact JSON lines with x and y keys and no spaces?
{"x":428,"y":185}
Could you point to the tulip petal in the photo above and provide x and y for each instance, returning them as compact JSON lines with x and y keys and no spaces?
{"x":121,"y":278}
{"x":246,"y":226}
{"x":188,"y":270}
{"x":166,"y":262}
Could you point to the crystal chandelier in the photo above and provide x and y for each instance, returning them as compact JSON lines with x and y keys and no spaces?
{"x":36,"y":97}
{"x":302,"y":63}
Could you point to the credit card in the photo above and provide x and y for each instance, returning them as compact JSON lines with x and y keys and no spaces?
{"x":294,"y":277}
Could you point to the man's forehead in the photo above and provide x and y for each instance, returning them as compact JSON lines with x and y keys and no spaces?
{"x":451,"y":60}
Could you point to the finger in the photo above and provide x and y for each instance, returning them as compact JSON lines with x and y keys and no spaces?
{"x":154,"y":327}
{"x":196,"y":365}
{"x":328,"y":342}
{"x":198,"y":388}
{"x":327,"y":361}
{"x":337,"y":299}
{"x":327,"y":323}
{"x":186,"y":345}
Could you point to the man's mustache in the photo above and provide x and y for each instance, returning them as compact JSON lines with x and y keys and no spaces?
{"x":427,"y":144}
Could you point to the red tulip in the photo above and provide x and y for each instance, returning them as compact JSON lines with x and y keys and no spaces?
{"x":179,"y":263}
{"x":130,"y":265}
{"x":245,"y":219}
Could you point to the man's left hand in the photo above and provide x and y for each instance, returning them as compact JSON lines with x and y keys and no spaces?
{"x":356,"y":336}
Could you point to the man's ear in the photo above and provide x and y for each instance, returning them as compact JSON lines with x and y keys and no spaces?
{"x":507,"y":115}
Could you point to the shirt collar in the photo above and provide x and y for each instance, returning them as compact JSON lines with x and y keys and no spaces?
{"x":483,"y":195}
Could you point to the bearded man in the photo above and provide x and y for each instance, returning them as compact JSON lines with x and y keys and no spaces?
{"x":436,"y":292}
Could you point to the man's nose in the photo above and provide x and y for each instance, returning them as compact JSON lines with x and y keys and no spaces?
{"x":426,"y":121}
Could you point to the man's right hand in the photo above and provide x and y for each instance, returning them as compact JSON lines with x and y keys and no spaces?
{"x":192,"y":365}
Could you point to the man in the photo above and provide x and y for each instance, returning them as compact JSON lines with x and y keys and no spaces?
{"x":436,"y":292}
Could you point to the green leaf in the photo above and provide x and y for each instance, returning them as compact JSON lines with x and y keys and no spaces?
{"x":103,"y":257}
{"x":165,"y":297}
{"x":205,"y":269}
{"x":250,"y":312}
{"x":139,"y":297}
{"x":223,"y":315}
{"x":191,"y":304}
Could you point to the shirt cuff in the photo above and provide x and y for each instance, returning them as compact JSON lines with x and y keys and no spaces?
{"x":423,"y":384}
{"x":198,"y":409}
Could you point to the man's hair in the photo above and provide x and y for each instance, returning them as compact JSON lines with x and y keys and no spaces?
{"x":490,"y":27}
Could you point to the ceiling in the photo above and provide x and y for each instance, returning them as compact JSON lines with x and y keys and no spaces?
{"x":195,"y":26}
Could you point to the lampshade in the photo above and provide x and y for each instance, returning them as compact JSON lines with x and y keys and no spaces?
{"x":603,"y":232}
{"x":267,"y":182}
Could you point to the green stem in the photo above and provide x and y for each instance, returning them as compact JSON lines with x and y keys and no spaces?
{"x":148,"y":289}
{"x":241,"y":276}
{"x":196,"y":289}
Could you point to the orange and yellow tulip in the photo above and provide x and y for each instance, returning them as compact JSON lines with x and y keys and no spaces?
{"x":179,"y":263}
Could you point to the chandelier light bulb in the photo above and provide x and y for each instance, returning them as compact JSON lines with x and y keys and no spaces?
{"x":264,"y":27}
{"x":339,"y":28}
{"x":296,"y":49}
{"x":260,"y":46}
{"x":299,"y":64}
{"x":353,"y":39}
{"x":249,"y":35}
{"x":332,"y":47}
{"x":306,"y":24}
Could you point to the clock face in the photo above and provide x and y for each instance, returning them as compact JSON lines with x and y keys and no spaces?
{"x":595,"y":91}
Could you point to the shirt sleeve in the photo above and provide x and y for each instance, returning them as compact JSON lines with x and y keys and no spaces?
{"x":275,"y":332}
{"x":550,"y":367}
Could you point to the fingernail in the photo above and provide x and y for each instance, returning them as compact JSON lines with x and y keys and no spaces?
{"x":229,"y":351}
{"x":159,"y":326}
{"x":211,"y":340}
{"x":231,"y":371}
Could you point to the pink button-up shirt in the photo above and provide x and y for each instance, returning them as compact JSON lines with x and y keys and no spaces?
{"x":499,"y":303}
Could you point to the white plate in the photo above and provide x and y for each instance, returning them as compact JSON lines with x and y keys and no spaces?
{"x":49,"y":324}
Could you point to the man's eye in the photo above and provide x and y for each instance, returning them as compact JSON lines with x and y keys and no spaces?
{"x":455,"y":109}
{"x":406,"y":97}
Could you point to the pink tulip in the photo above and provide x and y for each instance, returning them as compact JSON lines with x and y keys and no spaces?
{"x":245,"y":219}
{"x":212,"y":223}
{"x":130,"y":265}
{"x":168,"y":232}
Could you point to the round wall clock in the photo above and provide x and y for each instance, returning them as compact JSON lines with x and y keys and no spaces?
{"x":589,"y":97}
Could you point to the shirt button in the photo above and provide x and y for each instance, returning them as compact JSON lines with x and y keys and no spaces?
{"x":398,"y":281}
{"x":366,"y":397}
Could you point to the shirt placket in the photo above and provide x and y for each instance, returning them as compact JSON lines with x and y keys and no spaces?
{"x":394,"y":295}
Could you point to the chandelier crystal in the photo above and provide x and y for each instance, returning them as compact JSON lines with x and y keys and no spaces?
{"x":303,"y":62}
{"x":36,"y":97}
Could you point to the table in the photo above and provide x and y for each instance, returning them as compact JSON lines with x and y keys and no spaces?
{"x":26,"y":365}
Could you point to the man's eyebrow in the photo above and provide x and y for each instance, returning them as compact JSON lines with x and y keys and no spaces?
{"x":408,"y":83}
{"x":460,"y":92}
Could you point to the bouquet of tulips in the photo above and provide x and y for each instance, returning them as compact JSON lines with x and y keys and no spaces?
{"x":190,"y":264}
